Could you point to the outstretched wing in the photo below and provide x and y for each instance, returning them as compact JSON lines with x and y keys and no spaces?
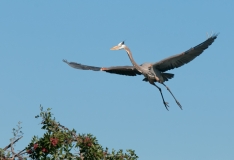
{"x":122,"y":70}
{"x":80,"y":66}
{"x":185,"y":57}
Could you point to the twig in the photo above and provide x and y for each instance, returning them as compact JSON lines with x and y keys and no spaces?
{"x":8,"y":146}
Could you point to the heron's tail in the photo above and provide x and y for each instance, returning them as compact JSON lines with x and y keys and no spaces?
{"x":167,"y":76}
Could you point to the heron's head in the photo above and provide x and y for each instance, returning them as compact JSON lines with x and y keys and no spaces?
{"x":119,"y":46}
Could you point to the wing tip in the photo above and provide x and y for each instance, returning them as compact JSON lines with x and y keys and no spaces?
{"x":212,"y":36}
{"x":65,"y":61}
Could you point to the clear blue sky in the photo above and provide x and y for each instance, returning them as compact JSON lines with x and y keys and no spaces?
{"x":122,"y":112}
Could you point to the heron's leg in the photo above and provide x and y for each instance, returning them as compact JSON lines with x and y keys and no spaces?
{"x":173,"y":96}
{"x":165,"y":103}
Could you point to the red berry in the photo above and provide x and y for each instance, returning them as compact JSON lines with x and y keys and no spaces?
{"x":54,"y":141}
{"x":44,"y":150}
{"x":35,"y":146}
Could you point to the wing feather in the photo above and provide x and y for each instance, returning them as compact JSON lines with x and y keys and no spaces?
{"x":122,"y":70}
{"x":81,"y":66}
{"x":185,"y":57}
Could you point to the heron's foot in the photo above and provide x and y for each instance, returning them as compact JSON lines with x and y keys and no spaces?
{"x":178,"y":103}
{"x":166,"y":105}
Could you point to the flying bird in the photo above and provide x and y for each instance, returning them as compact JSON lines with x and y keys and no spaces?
{"x":152,"y":72}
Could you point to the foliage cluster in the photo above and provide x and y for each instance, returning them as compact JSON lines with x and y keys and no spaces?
{"x":59,"y":142}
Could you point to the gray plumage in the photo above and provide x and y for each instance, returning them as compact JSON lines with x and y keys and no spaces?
{"x":185,"y":57}
{"x":153,"y":72}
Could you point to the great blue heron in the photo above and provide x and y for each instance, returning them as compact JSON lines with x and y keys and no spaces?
{"x":153,"y":72}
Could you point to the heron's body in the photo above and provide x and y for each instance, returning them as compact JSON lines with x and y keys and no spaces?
{"x":150,"y":73}
{"x":153,"y":72}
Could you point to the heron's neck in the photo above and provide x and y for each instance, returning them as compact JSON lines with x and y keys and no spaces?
{"x":131,"y":58}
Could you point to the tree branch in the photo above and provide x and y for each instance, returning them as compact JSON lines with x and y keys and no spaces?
{"x":8,"y":146}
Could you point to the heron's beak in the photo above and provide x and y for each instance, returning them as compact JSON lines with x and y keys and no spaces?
{"x":115,"y":48}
